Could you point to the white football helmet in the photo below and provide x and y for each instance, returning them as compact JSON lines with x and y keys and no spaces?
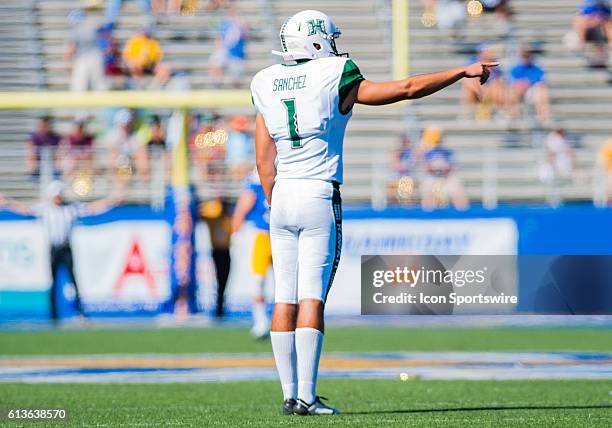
{"x":308,"y":34}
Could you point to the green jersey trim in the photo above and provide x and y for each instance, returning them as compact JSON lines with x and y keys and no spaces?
{"x":350,"y":76}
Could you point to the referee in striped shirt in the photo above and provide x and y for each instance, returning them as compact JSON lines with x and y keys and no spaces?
{"x":58,"y":218}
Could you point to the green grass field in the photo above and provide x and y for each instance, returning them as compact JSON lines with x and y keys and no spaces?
{"x":338,"y":339}
{"x":418,"y":403}
{"x":366,"y":403}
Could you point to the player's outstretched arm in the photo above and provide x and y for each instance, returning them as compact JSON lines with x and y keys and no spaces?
{"x":420,"y":86}
{"x":265,"y":155}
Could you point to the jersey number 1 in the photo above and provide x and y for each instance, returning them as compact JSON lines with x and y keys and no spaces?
{"x":296,"y":141}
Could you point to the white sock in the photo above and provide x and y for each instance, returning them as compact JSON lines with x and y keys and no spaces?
{"x":283,"y":346}
{"x":308,"y":344}
{"x":259,"y":314}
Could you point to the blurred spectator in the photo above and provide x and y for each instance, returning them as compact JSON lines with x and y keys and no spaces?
{"x":77,"y":149}
{"x":43,"y":138}
{"x":164,"y":78}
{"x":447,"y":14}
{"x":559,"y":159}
{"x":430,"y":139}
{"x":84,"y":55}
{"x":501,"y":8}
{"x":527,"y":81}
{"x":111,"y":50}
{"x":161,"y":77}
{"x":142,"y":52}
{"x":405,"y":158}
{"x":213,"y":5}
{"x":440,"y":185}
{"x":593,"y":24}
{"x":239,"y":148}
{"x":605,"y":162}
{"x":230,"y":54}
{"x":113,"y":8}
{"x":402,"y":184}
{"x":125,"y":146}
{"x":492,"y":93}
{"x":167,"y":7}
{"x":154,"y":138}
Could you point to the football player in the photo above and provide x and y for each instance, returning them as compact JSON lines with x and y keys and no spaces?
{"x":303,"y":106}
{"x":252,"y":206}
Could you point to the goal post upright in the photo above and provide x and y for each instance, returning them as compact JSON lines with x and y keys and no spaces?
{"x":129,"y":99}
{"x":400,"y":38}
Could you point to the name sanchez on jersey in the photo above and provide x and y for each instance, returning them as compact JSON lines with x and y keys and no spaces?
{"x":289,"y":83}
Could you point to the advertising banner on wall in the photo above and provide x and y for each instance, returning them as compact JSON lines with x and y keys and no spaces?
{"x":123,"y":265}
{"x":25,"y":277}
{"x":497,"y":236}
{"x":24,"y":257}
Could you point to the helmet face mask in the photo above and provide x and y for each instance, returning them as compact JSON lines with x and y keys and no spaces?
{"x":332,"y":42}
{"x":309,"y":34}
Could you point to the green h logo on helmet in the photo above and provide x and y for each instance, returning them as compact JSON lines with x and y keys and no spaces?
{"x":314,"y":25}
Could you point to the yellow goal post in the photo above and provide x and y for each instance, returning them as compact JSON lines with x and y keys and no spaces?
{"x":129,"y":99}
{"x":400,"y":22}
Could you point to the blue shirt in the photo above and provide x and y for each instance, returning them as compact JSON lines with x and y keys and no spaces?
{"x":259,"y":214}
{"x":439,"y":161}
{"x":233,"y":37}
{"x":406,"y":162}
{"x":532,"y":73}
{"x":439,"y":154}
{"x":595,"y":7}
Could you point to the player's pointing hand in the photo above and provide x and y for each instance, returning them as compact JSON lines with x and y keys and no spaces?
{"x":481,"y":70}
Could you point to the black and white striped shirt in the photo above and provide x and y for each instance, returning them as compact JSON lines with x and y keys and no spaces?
{"x":58,"y":220}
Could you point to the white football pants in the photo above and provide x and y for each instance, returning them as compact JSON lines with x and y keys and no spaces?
{"x":306,"y":237}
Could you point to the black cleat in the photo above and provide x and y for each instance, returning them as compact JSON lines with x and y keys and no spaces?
{"x":288,"y":406}
{"x":317,"y":408}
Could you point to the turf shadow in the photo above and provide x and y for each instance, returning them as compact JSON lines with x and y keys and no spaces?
{"x":479,"y":409}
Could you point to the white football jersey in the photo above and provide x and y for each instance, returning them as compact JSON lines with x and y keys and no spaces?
{"x":300,"y":104}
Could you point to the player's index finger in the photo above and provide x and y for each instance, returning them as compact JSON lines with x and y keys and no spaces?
{"x":490,"y":64}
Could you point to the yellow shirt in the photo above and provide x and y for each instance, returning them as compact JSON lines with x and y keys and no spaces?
{"x":605,"y":156}
{"x":142,"y":50}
